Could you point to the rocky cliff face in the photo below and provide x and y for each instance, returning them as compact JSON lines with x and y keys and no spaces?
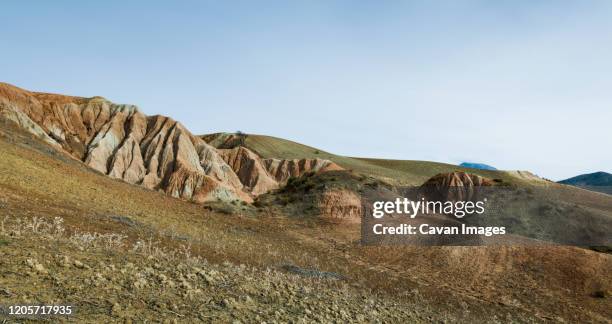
{"x":153,"y":151}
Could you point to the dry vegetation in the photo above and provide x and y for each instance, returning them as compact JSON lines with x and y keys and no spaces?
{"x":106,"y":279}
{"x":125,"y":238}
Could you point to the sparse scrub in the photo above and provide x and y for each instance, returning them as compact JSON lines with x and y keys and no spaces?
{"x":258,"y":203}
{"x":34,"y":225}
{"x":152,"y":282}
{"x":94,"y":240}
{"x":39,"y":227}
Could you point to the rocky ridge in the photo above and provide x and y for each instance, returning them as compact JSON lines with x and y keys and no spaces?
{"x":156,"y":152}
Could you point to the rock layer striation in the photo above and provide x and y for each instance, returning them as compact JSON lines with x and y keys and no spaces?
{"x":453,"y":186}
{"x":156,"y":152}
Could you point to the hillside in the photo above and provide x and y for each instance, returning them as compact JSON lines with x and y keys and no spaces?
{"x":159,"y":153}
{"x":410,"y":282}
{"x":122,"y":251}
{"x":117,"y":251}
{"x":401,"y":172}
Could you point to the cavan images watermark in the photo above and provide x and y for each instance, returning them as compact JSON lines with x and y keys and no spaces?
{"x":411,"y":208}
{"x":495,"y":215}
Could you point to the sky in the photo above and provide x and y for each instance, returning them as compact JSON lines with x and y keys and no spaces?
{"x":520,"y":85}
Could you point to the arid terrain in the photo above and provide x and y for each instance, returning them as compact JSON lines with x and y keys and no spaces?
{"x":132,"y":218}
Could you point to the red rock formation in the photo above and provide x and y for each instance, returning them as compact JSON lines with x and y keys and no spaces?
{"x":341,"y":206}
{"x":250,"y":169}
{"x":120,"y":141}
{"x":458,"y":179}
{"x":153,"y":151}
{"x":453,"y":186}
{"x":262,"y":175}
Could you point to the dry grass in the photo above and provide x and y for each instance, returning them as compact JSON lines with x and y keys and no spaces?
{"x":87,"y":202}
{"x":146,"y":282}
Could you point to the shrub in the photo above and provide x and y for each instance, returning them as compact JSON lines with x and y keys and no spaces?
{"x":94,"y":240}
{"x":309,"y":186}
{"x":284,"y":200}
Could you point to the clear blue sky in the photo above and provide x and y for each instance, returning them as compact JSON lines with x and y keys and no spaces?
{"x":515,"y":84}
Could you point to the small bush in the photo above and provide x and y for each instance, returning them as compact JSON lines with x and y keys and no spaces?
{"x":227,"y":210}
{"x":309,"y":186}
{"x":373,"y":184}
{"x":292,"y":182}
{"x":545,"y":209}
{"x":34,"y":225}
{"x":283,"y":200}
{"x":94,"y":240}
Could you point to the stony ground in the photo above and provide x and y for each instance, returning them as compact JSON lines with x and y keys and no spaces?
{"x":107,"y":283}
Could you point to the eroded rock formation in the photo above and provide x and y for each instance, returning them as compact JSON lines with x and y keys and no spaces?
{"x":262,"y":175}
{"x":153,"y":151}
{"x":282,"y":170}
{"x":454,"y":186}
{"x":340,"y":206}
{"x":120,"y":141}
{"x":250,"y":169}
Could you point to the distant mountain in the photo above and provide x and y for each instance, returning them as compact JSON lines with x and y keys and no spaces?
{"x":480,"y":166}
{"x":598,"y":181}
